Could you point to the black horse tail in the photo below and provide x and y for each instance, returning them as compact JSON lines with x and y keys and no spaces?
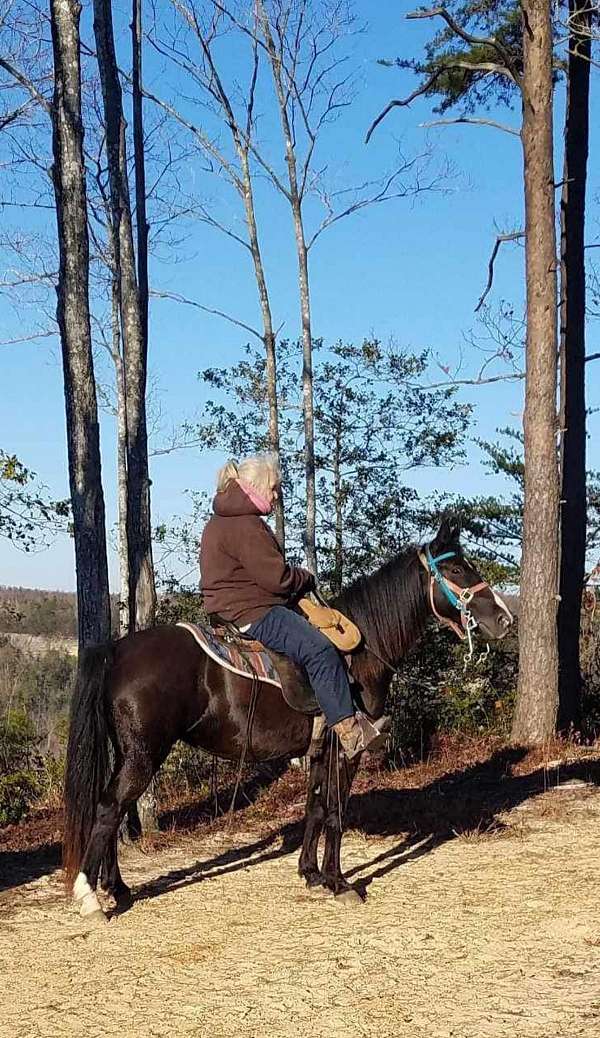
{"x":88,"y":754}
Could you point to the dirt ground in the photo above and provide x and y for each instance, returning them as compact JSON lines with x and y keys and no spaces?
{"x":471,"y":935}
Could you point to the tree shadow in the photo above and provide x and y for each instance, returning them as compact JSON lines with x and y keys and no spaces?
{"x":24,"y":866}
{"x":467,"y":801}
{"x":471,"y":799}
{"x":277,"y":844}
{"x":18,"y":867}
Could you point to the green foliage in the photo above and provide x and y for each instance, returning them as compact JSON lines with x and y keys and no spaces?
{"x":20,"y":766}
{"x":435,"y":692}
{"x":493,"y":523}
{"x":590,"y":665}
{"x":27,"y":516}
{"x":178,"y":602}
{"x":18,"y":791}
{"x":448,"y":69}
{"x":17,"y":742}
{"x":375,"y":420}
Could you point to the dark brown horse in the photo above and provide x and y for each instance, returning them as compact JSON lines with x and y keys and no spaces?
{"x":135,"y":698}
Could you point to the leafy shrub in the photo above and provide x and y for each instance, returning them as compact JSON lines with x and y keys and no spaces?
{"x":185,"y":771}
{"x":17,"y":793}
{"x":20,"y":767}
{"x":436,"y":693}
{"x":180,"y":603}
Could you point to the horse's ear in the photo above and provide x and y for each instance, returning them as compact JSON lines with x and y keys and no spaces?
{"x":447,"y":535}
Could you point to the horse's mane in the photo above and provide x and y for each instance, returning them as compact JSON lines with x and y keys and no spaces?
{"x":389,"y":606}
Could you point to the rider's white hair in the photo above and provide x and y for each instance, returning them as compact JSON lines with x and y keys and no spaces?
{"x":260,"y":470}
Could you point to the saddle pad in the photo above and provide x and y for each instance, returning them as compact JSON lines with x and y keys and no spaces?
{"x":246,"y":662}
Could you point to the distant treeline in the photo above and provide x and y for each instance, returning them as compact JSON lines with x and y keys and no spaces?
{"x":32,"y":611}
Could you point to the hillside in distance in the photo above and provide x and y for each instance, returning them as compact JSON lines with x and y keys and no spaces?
{"x":38,"y":612}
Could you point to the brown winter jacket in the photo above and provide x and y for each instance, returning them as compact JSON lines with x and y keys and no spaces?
{"x":243,"y":572}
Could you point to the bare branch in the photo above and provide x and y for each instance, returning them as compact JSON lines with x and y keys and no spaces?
{"x":177,"y":298}
{"x":463,"y":119}
{"x":252,"y":91}
{"x":206,"y":217}
{"x":384,"y":193}
{"x":26,"y":84}
{"x":514,"y":236}
{"x":10,"y":117}
{"x":31,"y":279}
{"x":480,"y":66}
{"x":204,"y":141}
{"x":403,"y":103}
{"x":511,"y":377}
{"x":29,"y":338}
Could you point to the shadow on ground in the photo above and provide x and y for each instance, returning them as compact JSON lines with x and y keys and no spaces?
{"x":18,"y":866}
{"x":468,"y":800}
{"x":465,"y":801}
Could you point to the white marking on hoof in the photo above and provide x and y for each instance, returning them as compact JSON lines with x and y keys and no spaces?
{"x":83,"y":893}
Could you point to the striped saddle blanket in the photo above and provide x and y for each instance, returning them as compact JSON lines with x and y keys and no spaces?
{"x":234,"y":656}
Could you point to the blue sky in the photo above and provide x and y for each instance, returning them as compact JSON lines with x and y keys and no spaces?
{"x":408,"y":269}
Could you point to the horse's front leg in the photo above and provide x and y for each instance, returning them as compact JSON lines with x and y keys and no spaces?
{"x":340,"y":775}
{"x":314,"y":818}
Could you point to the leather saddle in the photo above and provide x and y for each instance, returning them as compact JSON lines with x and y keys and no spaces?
{"x":295,"y":686}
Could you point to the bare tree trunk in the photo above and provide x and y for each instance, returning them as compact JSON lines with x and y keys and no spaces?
{"x":295,"y":201}
{"x":141,"y":220}
{"x":537,"y":700}
{"x":83,"y":441}
{"x":572,"y":365}
{"x":142,"y":594}
{"x":121,"y":463}
{"x":268,"y":332}
{"x":214,"y":86}
{"x":338,"y":579}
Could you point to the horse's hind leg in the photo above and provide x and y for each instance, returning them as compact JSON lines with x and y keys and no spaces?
{"x":313,"y":824}
{"x":126,"y":785}
{"x":340,"y":775}
{"x":110,"y":874}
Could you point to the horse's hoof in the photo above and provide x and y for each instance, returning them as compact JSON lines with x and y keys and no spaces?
{"x":350,"y":897}
{"x":314,"y":880}
{"x":317,"y":890}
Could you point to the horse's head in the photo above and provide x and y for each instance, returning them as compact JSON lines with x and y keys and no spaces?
{"x":458,"y":595}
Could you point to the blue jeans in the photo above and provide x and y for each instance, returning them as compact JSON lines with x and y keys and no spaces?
{"x":285,"y":631}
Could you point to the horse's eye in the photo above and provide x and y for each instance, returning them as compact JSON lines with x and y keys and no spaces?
{"x":456,"y":571}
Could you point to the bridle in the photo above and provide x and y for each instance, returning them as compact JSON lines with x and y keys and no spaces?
{"x":459,"y":597}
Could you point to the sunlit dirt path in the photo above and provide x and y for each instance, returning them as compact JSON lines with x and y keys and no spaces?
{"x":472,"y":937}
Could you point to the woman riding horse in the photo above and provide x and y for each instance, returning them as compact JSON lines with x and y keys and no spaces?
{"x":247,"y":582}
{"x":136,"y":697}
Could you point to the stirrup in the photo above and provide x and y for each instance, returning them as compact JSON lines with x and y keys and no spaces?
{"x":375,"y":733}
{"x":363,"y":734}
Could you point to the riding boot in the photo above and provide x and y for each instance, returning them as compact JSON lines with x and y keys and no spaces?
{"x":358,"y":733}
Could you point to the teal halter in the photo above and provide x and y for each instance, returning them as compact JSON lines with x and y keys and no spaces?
{"x":459,"y":601}
{"x":440,"y":579}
